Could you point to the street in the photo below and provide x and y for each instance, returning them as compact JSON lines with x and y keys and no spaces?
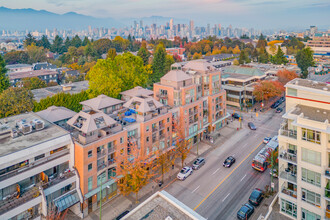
{"x":216,"y":192}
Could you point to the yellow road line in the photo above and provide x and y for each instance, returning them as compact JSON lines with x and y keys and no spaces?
{"x":228,"y":175}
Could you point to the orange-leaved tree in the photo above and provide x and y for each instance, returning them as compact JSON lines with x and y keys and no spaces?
{"x":133,"y":170}
{"x":285,"y":76}
{"x":267,"y":89}
{"x":182,"y":145}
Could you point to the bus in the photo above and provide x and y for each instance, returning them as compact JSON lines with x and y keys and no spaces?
{"x":259,"y":162}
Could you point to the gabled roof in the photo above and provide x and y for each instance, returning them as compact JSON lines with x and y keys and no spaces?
{"x":137,"y":91}
{"x":143,"y":104}
{"x":90,"y":121}
{"x":176,"y":76}
{"x":55,"y":113}
{"x":101,"y":102}
{"x":199,"y":65}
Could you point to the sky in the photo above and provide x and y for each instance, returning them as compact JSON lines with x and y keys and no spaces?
{"x":250,"y":13}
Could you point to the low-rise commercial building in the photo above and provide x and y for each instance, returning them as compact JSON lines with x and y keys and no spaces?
{"x":45,"y":75}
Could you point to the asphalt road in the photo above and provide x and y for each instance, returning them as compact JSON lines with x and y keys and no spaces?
{"x":216,"y":192}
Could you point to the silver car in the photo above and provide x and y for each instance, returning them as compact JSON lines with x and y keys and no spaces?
{"x":198,"y":163}
{"x":184,"y":173}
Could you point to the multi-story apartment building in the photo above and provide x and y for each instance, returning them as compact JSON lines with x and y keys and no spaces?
{"x":320,"y":43}
{"x":195,"y":95}
{"x":37,"y":178}
{"x":304,"y":151}
{"x":96,"y":139}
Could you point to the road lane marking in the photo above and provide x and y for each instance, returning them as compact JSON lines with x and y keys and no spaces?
{"x":195,"y":189}
{"x":243,"y":177}
{"x":215,"y":171}
{"x":255,"y":135}
{"x":228,"y":175}
{"x":226,"y":197}
{"x":244,"y":145}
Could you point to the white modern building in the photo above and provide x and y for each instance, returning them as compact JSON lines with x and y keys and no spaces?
{"x":304,"y":151}
{"x":37,"y":178}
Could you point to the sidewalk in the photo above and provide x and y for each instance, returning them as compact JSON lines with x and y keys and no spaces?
{"x":119,"y":204}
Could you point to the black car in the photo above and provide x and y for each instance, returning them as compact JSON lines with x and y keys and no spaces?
{"x":279,"y":110}
{"x":275,"y":105}
{"x":236,"y":116}
{"x":282,"y":99}
{"x":252,"y":126}
{"x":256,"y":197}
{"x":198,"y":163}
{"x":245,"y":211}
{"x":122,"y":215}
{"x":229,"y":161}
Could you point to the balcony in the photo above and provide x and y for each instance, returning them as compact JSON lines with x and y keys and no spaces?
{"x":101,"y":153}
{"x":154,"y":129}
{"x":285,"y":131}
{"x":289,"y":156}
{"x":289,"y":192}
{"x":111,"y":161}
{"x":63,"y":176}
{"x":162,"y":95}
{"x":100,"y":165}
{"x":327,"y":193}
{"x":161,"y":126}
{"x":327,"y":173}
{"x":289,"y":175}
{"x":327,"y":214}
{"x":195,"y":111}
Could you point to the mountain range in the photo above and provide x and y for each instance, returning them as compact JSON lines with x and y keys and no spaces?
{"x":31,"y":19}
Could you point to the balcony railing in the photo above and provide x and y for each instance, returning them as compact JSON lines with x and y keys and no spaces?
{"x":327,"y":192}
{"x":327,"y":172}
{"x":289,"y":156}
{"x":289,"y":133}
{"x":101,"y":154}
{"x":111,"y":161}
{"x":154,"y":129}
{"x":289,"y":175}
{"x":289,"y":192}
{"x":58,"y":179}
{"x":101,"y":166}
{"x":161,"y":126}
{"x":327,"y":214}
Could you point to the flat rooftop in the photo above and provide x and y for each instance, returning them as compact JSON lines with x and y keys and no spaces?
{"x":162,"y":205}
{"x":310,"y":84}
{"x":42,"y":93}
{"x":9,"y":145}
{"x":311,"y":113}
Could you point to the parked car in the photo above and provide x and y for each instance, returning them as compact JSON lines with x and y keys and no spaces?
{"x":198,"y":163}
{"x":256,"y":197}
{"x":236,"y":116}
{"x":267,"y":139}
{"x":122,"y":215}
{"x":252,"y":126}
{"x":276,"y":104}
{"x":245,"y":211}
{"x":279,"y":110}
{"x":229,"y":161}
{"x":282,"y":99}
{"x":275,"y":173}
{"x":184,"y":173}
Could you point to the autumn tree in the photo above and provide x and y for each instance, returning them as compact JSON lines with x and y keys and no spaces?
{"x":304,"y":60}
{"x":236,"y":50}
{"x":182,"y":145}
{"x":29,"y":39}
{"x":164,"y":159}
{"x":158,"y":63}
{"x":4,"y":80}
{"x":36,"y":54}
{"x":14,"y":101}
{"x":223,"y":49}
{"x":133,"y":170}
{"x":285,"y":76}
{"x":111,"y":53}
{"x":197,"y":56}
{"x":101,"y":46}
{"x":235,"y":62}
{"x":169,"y":60}
{"x":33,"y":83}
{"x":15,"y":57}
{"x":262,"y":42}
{"x":267,"y":89}
{"x":111,"y":77}
{"x":144,"y":54}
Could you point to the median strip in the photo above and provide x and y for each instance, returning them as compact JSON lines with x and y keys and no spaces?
{"x":228,"y":175}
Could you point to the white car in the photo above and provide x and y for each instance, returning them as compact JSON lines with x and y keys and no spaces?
{"x":184,"y":173}
{"x":267,"y":139}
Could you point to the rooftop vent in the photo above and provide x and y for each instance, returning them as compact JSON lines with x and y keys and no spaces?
{"x":37,"y":124}
{"x":325,"y":88}
{"x":168,"y":218}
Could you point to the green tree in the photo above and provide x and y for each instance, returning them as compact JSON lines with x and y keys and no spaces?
{"x":29,"y":39}
{"x":36,"y":54}
{"x":169,"y":60}
{"x":67,"y":43}
{"x":4,"y":81}
{"x":43,"y":42}
{"x":304,"y":60}
{"x":254,"y":55}
{"x":144,"y":54}
{"x":262,"y":42}
{"x":14,"y":101}
{"x":15,"y":57}
{"x":111,"y":77}
{"x":279,"y":57}
{"x":263,"y":55}
{"x":111,"y":53}
{"x":57,"y":46}
{"x":90,"y":52}
{"x":76,"y":41}
{"x":158,"y":63}
{"x":85,"y":41}
{"x":33,"y":83}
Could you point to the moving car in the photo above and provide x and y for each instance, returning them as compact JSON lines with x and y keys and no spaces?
{"x":184,"y":173}
{"x":256,"y":197}
{"x":236,"y":116}
{"x":279,"y":110}
{"x":229,"y":161}
{"x":122,"y":215}
{"x":198,"y":163}
{"x":252,"y":126}
{"x":245,"y":211}
{"x":267,"y":139}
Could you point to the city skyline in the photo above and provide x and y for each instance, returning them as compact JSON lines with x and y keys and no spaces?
{"x":237,"y":12}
